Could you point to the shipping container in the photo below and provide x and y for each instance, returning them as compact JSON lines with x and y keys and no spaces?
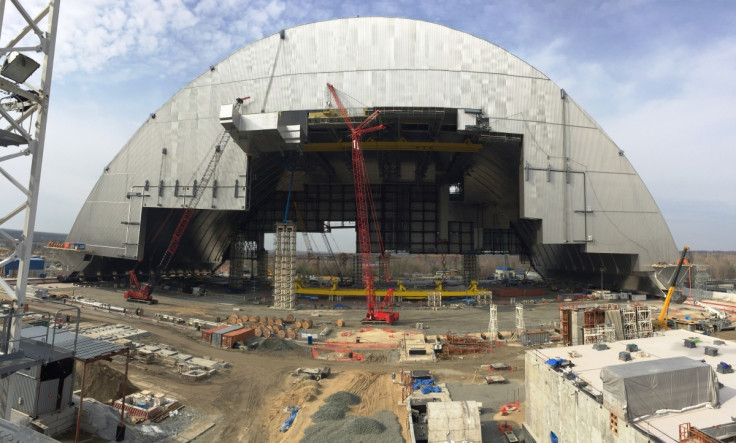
{"x":229,"y":339}
{"x":207,"y":335}
{"x":217,"y":335}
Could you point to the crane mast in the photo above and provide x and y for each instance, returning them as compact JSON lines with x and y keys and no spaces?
{"x":383,"y":312}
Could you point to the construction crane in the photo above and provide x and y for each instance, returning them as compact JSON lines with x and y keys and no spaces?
{"x":662,"y":320}
{"x":383,"y":311}
{"x":135,"y":292}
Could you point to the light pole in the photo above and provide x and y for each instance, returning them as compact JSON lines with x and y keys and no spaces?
{"x":602,"y":269}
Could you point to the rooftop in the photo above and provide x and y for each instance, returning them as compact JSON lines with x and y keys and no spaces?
{"x":589,"y":363}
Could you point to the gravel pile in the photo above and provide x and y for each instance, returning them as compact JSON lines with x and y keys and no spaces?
{"x":331,"y":423}
{"x":275,"y":344}
{"x":329,"y":412}
{"x":343,"y":398}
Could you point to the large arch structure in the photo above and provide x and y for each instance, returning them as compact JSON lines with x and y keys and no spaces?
{"x":482,"y":153}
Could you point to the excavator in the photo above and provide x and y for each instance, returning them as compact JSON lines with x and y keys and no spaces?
{"x":662,"y":320}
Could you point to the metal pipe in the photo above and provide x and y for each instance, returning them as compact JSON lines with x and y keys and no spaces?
{"x":81,"y":399}
{"x":125,"y":386}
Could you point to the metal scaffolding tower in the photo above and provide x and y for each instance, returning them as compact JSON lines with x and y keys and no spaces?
{"x":493,"y":323}
{"x":236,"y":281}
{"x":628,"y":315}
{"x":434,"y":300}
{"x":25,"y":114}
{"x":520,"y":319}
{"x":470,"y":268}
{"x":284,"y":295}
{"x":644,"y":321}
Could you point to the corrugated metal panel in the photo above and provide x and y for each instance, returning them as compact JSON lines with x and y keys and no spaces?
{"x":86,"y":347}
{"x":25,"y":394}
{"x":230,"y":338}
{"x":217,"y":335}
{"x":533,"y":338}
{"x":47,"y":396}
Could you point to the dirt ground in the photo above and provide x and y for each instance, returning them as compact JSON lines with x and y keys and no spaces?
{"x":245,"y":402}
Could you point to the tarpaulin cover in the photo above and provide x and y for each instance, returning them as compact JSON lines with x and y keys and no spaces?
{"x":664,"y":385}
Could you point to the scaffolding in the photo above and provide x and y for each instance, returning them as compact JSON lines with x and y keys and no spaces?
{"x":236,"y":280}
{"x":284,"y":294}
{"x":484,"y":297}
{"x":644,"y":321}
{"x":628,"y":315}
{"x":493,"y":323}
{"x":519,"y":319}
{"x":434,"y":300}
{"x":470,"y":268}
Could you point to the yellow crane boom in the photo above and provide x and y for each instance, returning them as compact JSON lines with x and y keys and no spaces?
{"x":662,"y":321}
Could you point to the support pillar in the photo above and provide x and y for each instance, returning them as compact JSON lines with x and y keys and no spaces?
{"x":236,"y":281}
{"x":284,"y":291}
{"x":470,"y":268}
{"x":493,"y":324}
{"x":520,"y":328}
{"x":262,"y":265}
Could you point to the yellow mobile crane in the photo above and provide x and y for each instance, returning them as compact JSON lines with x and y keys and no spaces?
{"x":662,"y":321}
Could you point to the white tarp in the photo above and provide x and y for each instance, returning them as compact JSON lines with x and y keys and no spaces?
{"x":659,"y":386}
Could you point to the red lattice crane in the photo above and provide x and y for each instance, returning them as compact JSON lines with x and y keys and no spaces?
{"x":383,"y":311}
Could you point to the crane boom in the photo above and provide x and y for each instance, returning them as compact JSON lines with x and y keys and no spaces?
{"x":363,"y":197}
{"x":662,"y":320}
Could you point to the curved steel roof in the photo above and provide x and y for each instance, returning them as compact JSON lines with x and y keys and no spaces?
{"x":541,"y":164}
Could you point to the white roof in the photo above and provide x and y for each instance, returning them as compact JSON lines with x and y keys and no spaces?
{"x":670,"y":344}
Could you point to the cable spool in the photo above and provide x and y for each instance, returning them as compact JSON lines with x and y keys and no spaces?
{"x":298,"y":324}
{"x":258,"y":331}
{"x":244,"y":318}
{"x":255,"y":318}
{"x":233,"y":319}
{"x":306,"y":324}
{"x":340,"y":323}
{"x":270,"y":320}
{"x":290,"y":318}
{"x":281,"y":334}
{"x":266,"y":333}
{"x":291,"y":333}
{"x":279,"y":322}
{"x":277,"y":327}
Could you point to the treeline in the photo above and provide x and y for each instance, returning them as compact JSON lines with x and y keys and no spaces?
{"x":721,"y":264}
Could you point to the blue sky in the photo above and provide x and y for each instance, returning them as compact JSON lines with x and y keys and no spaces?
{"x":660,"y":78}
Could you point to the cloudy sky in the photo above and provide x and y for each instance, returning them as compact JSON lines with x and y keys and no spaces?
{"x":660,"y":78}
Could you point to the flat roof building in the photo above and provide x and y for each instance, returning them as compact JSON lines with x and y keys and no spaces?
{"x":670,"y":387}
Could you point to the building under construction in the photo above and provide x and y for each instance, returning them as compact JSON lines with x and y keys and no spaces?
{"x":480,"y":153}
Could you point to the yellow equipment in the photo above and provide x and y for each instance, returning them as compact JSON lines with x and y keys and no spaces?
{"x":662,"y":321}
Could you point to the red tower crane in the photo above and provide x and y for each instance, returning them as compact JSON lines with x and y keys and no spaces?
{"x":382,"y":312}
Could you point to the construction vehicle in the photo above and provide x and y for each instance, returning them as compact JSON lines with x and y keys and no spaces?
{"x":662,"y":320}
{"x":137,"y":293}
{"x":383,"y":311}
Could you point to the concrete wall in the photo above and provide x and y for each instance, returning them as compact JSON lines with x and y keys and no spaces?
{"x":555,"y":404}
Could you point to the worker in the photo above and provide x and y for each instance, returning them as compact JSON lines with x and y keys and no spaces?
{"x":393,"y":377}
